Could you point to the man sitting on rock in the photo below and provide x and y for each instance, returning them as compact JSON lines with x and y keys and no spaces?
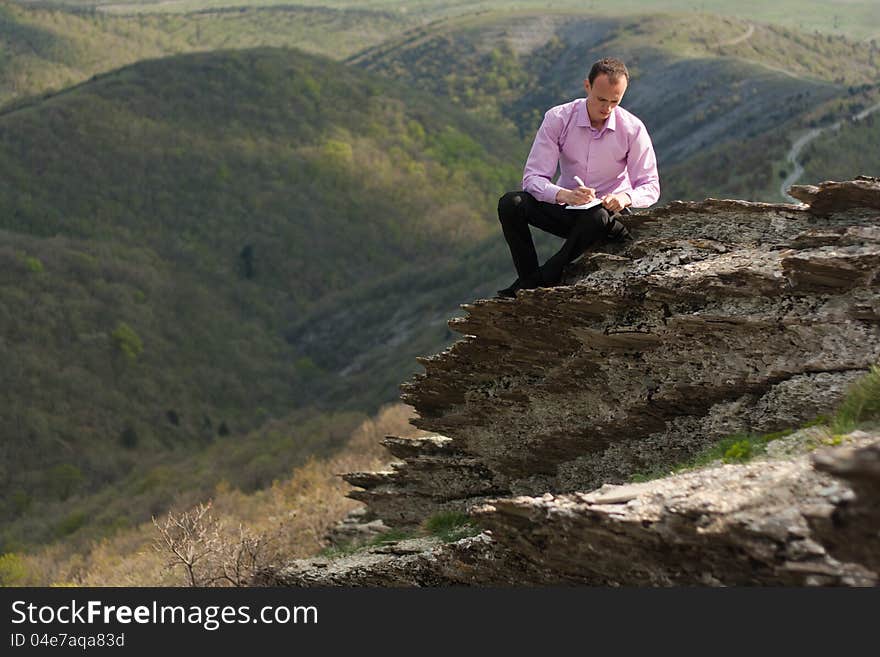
{"x":602,"y":152}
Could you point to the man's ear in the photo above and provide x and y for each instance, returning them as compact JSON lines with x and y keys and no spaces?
{"x":587,"y":86}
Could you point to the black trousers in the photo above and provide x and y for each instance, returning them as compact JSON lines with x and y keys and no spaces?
{"x":580,"y":228}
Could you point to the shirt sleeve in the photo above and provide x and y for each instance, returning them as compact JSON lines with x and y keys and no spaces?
{"x":641,"y":167}
{"x":543,"y":160}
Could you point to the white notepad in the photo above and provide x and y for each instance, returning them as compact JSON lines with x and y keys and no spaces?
{"x":585,"y":206}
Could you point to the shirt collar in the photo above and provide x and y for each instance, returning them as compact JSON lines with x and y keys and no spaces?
{"x":583,"y":120}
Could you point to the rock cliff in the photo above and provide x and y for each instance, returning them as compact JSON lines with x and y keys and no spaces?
{"x":721,"y":317}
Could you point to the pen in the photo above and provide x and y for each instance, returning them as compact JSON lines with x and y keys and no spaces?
{"x":581,"y":183}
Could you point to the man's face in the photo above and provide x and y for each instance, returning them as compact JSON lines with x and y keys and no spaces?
{"x":603,"y":96}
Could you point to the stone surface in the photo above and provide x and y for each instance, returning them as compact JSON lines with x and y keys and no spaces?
{"x":721,"y":317}
{"x":357,"y":528}
{"x":474,"y":561}
{"x":772,"y":522}
{"x":432,"y":477}
{"x":728,"y":525}
{"x":831,"y":196}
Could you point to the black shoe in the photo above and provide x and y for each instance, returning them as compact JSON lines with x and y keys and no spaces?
{"x":619,"y":233}
{"x":529,"y":283}
{"x":509,"y":292}
{"x":532,"y":281}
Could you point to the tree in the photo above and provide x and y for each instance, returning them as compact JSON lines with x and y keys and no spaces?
{"x":127,"y":341}
{"x":129,"y":436}
{"x":64,"y":479}
{"x":247,"y":261}
{"x":12,"y":570}
{"x":198,"y":543}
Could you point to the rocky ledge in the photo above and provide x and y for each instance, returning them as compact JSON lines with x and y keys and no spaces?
{"x":785,"y":521}
{"x":721,"y":317}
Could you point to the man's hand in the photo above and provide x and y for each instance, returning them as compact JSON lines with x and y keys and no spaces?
{"x":616,"y":202}
{"x":577,"y":196}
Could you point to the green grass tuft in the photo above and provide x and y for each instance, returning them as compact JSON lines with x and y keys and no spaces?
{"x":737,"y":448}
{"x":391,"y":536}
{"x":450,"y":526}
{"x":741,"y":451}
{"x":352,"y":547}
{"x":861,"y":405}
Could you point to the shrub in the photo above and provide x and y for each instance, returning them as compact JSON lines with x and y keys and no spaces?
{"x":129,"y":437}
{"x":71,"y":523}
{"x":741,"y":450}
{"x":64,"y":479}
{"x":12,"y":570}
{"x":127,"y":341}
{"x":197,"y":543}
{"x":34,"y":265}
{"x":21,"y":501}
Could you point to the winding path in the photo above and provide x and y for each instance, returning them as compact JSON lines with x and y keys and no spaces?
{"x":802,"y":141}
{"x":742,"y":37}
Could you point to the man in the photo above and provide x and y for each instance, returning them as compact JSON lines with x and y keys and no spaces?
{"x":603,"y":152}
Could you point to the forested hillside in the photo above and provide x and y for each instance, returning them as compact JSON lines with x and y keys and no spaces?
{"x":201,"y":157}
{"x":167,"y":224}
{"x":47,"y":49}
{"x":853,"y":149}
{"x":855,"y":18}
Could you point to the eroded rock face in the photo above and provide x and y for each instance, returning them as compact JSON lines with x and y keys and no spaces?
{"x":414,"y":562}
{"x":772,"y":522}
{"x":721,"y":317}
{"x":833,"y":196}
{"x":432,"y":477}
{"x":729,"y":525}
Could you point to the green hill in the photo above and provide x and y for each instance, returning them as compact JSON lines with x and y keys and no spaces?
{"x":47,"y":49}
{"x":167,"y":224}
{"x":856,"y":19}
{"x":200,"y":157}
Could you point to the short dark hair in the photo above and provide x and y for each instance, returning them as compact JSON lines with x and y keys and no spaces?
{"x":609,"y":66}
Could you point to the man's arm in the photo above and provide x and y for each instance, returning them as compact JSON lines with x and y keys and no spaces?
{"x":641,"y":166}
{"x":543,"y":160}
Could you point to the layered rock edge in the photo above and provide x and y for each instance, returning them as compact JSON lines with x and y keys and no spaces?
{"x":721,"y":317}
{"x":773,"y":522}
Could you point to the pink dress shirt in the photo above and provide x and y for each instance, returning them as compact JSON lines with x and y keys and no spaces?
{"x":617,"y":158}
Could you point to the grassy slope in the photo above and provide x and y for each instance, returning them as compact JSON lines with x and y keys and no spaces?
{"x":200,"y":156}
{"x":854,"y":150}
{"x":43,"y":49}
{"x":856,"y":18}
{"x":294,"y":510}
{"x":130,"y":200}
